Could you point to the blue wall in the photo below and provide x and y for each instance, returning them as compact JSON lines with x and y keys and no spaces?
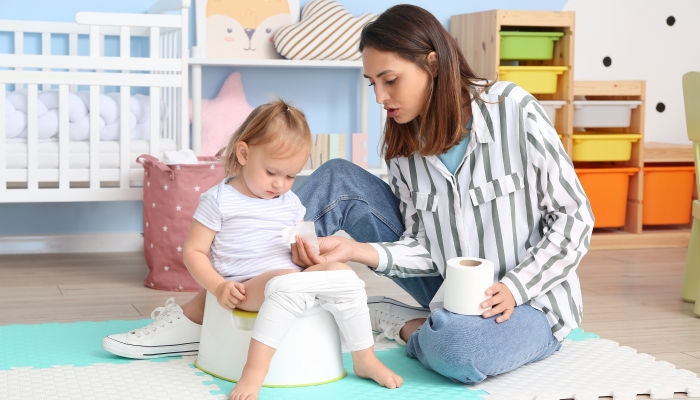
{"x":328,"y":111}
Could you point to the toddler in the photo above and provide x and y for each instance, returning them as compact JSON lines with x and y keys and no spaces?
{"x":236,"y":251}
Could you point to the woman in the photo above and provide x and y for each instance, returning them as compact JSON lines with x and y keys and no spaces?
{"x":475,"y":169}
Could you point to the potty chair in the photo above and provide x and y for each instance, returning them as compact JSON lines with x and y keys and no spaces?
{"x":310,"y":354}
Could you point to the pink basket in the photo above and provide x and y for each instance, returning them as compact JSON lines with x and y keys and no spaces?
{"x":170,"y":198}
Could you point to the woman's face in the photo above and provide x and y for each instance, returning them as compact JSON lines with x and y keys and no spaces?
{"x":400,"y":85}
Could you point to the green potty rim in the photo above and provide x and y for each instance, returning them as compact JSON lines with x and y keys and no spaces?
{"x":536,"y":34}
{"x":345,"y":372}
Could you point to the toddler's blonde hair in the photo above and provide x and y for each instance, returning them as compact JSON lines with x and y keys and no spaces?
{"x":276,"y":122}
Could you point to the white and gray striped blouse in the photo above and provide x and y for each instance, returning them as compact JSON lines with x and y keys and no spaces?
{"x":515,"y":200}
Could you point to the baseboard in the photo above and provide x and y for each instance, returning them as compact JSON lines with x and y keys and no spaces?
{"x":112,"y":242}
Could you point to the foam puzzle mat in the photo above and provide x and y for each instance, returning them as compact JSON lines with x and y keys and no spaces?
{"x":66,"y":361}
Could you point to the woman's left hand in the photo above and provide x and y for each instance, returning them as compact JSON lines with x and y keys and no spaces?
{"x":501,"y":302}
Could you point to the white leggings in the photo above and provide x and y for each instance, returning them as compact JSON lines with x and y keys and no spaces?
{"x":289,"y":296}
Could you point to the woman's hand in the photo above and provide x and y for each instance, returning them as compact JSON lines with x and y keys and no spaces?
{"x":332,"y":249}
{"x":229,"y":294}
{"x":501,"y":302}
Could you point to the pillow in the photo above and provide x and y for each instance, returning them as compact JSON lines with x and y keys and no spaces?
{"x":222,"y":115}
{"x":327,"y":31}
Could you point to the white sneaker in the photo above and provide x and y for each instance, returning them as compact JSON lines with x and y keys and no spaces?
{"x":388,"y":316}
{"x":171,"y":334}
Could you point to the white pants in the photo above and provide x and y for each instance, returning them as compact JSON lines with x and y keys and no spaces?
{"x":289,"y":296}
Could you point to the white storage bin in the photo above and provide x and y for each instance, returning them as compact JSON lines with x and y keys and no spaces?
{"x":603,"y":113}
{"x":551,"y":107}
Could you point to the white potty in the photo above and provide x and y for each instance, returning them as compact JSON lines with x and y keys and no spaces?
{"x":310,"y":354}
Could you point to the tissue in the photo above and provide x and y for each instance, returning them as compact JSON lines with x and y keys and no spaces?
{"x":307,"y":230}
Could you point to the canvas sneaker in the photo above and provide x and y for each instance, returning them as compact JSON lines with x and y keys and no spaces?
{"x":170,"y":334}
{"x":388,"y":316}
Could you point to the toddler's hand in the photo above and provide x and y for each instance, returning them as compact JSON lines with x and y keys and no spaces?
{"x":229,"y":294}
{"x":501,"y":302}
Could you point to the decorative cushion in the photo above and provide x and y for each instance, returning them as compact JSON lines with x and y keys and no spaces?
{"x":327,"y":31}
{"x":222,"y":115}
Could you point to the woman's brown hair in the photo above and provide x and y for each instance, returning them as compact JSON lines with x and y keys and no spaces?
{"x":276,"y":122}
{"x":412,"y":33}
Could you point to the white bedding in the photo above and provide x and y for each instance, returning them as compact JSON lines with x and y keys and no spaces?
{"x":79,"y":154}
{"x":16,"y":108}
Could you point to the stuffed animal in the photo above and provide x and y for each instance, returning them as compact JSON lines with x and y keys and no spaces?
{"x":222,"y":115}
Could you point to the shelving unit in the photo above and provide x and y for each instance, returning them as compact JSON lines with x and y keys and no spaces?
{"x":634,"y":234}
{"x":624,"y":90}
{"x":478,"y":36}
{"x":197,"y":62}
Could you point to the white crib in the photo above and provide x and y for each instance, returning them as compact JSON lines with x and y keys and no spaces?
{"x":94,"y":170}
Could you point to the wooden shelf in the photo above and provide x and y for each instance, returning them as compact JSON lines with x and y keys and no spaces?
{"x":280,"y":63}
{"x":478,"y":36}
{"x":657,"y":152}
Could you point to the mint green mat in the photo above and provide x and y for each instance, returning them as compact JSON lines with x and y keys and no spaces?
{"x":80,"y":344}
{"x":418,"y":384}
{"x":75,"y":343}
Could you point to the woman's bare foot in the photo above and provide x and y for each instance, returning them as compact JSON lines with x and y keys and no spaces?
{"x":248,"y":387}
{"x":367,"y":365}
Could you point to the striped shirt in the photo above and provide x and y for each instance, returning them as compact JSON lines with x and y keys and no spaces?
{"x":514,"y":200}
{"x":248,"y":238}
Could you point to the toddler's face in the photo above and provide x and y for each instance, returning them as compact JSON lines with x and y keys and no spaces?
{"x":267,"y":176}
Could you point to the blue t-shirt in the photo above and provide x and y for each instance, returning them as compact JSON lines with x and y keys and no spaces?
{"x":452,"y":157}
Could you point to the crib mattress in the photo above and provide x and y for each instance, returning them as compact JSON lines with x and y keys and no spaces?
{"x":79,"y":154}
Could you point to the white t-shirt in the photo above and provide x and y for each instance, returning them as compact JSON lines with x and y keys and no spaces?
{"x":248,"y":238}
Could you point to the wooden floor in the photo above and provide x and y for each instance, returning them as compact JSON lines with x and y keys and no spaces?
{"x":630,"y":296}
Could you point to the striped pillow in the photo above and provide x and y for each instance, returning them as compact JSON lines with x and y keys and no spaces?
{"x":327,"y":31}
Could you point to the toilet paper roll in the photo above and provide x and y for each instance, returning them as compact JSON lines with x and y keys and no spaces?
{"x":467,"y":279}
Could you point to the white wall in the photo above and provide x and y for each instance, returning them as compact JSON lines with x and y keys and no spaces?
{"x":635,"y":35}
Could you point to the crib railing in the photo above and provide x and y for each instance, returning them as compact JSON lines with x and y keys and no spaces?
{"x":164,"y":72}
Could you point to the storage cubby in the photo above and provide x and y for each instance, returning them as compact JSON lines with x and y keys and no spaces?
{"x":478,"y":35}
{"x":608,"y":144}
{"x":606,"y":92}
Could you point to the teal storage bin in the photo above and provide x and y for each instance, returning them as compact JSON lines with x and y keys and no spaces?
{"x":528,"y":45}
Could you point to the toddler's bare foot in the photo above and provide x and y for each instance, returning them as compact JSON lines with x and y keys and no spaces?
{"x":248,"y":387}
{"x":367,"y":365}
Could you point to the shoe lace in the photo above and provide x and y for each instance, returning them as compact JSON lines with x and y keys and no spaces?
{"x":389,"y":326}
{"x":161,"y":317}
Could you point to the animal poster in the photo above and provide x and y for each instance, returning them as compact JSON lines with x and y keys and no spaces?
{"x":242,"y":28}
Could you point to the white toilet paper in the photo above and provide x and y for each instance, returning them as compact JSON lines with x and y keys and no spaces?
{"x":464,"y":288}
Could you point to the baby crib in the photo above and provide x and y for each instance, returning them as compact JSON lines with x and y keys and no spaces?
{"x":34,"y":169}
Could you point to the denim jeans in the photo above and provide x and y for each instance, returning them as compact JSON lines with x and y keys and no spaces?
{"x":341,"y":196}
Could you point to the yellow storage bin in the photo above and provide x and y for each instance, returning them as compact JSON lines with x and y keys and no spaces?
{"x":533,"y":79}
{"x":603,"y":146}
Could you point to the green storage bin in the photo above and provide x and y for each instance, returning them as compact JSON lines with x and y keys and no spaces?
{"x":528,"y":45}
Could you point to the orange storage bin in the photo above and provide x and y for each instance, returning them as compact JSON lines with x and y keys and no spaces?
{"x":606,"y":189}
{"x":668,"y":195}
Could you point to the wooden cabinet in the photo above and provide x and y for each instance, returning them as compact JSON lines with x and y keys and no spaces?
{"x":478,"y":35}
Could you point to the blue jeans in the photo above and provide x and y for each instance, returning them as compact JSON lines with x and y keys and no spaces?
{"x":341,"y":196}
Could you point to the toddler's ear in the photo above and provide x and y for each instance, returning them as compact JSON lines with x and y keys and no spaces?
{"x":242,"y":152}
